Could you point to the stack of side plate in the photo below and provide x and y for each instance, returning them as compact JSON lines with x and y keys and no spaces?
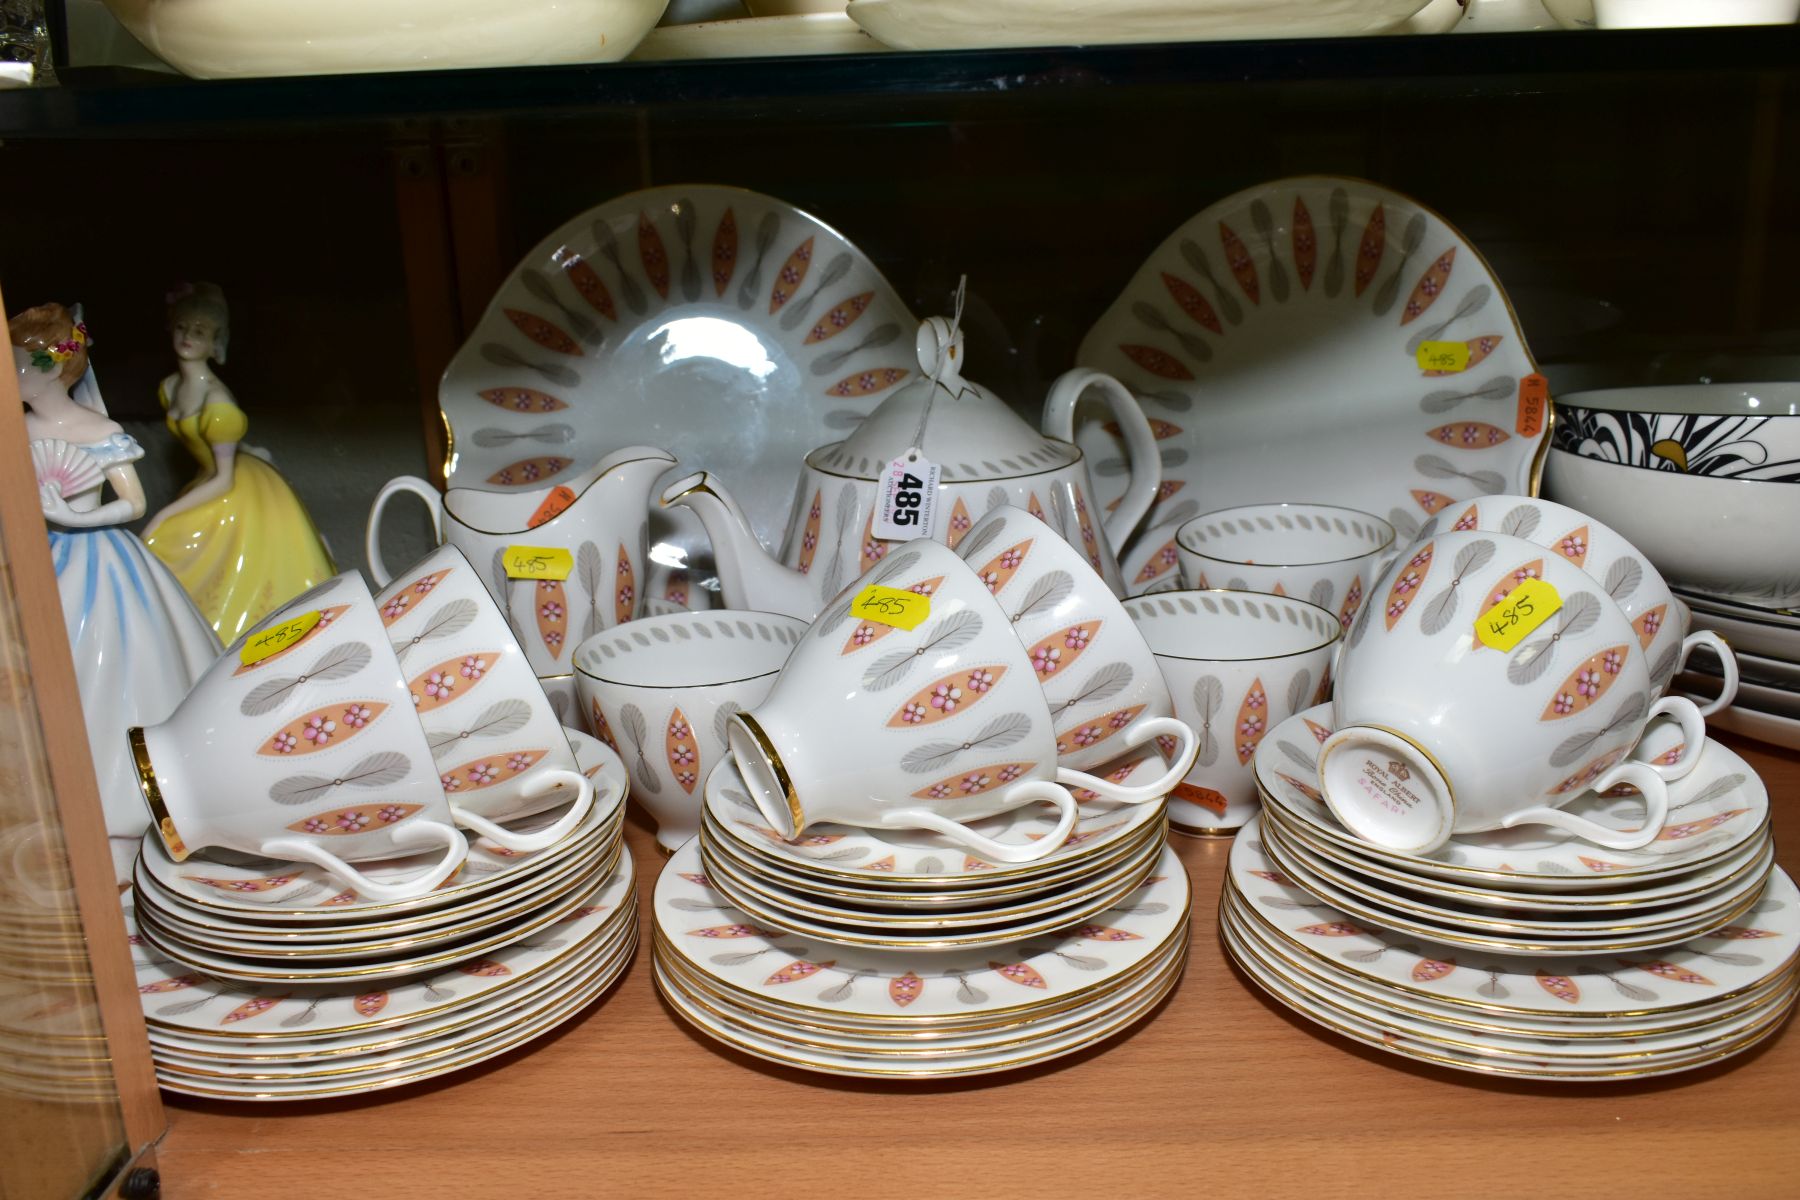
{"x":236,"y":952}
{"x":1767,"y":644}
{"x":910,"y":889}
{"x":902,"y":1013}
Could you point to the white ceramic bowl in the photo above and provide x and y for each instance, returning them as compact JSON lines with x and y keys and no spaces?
{"x":216,"y":39}
{"x":1704,"y":479}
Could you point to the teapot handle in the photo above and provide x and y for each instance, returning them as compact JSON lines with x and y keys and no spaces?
{"x":1140,"y":444}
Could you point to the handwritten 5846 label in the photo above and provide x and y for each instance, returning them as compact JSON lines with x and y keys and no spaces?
{"x":906,"y":506}
{"x":276,"y":638}
{"x":1524,"y":609}
{"x":539,"y":562}
{"x":890,"y":606}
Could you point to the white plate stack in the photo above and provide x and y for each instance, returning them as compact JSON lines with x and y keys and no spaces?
{"x":269,"y":981}
{"x":1767,"y":644}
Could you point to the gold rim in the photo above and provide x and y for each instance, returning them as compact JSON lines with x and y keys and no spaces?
{"x":1151,"y":597}
{"x":1109,"y":854}
{"x":922,"y":1020}
{"x":820,"y":932}
{"x":1501,"y":945}
{"x":1740,"y":1043}
{"x":624,"y":911}
{"x":1335,"y":878}
{"x":684,"y":615}
{"x":151,"y":790}
{"x":1431,"y":884}
{"x":767,"y":747}
{"x":1249,"y":910}
{"x":1549,"y":1026}
{"x":1104,"y":876}
{"x":1392,"y":536}
{"x":550,"y":1020}
{"x":317,"y":917}
{"x":1442,"y":870}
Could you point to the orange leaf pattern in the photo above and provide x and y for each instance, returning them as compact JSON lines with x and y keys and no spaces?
{"x":726,"y":931}
{"x":809,"y":536}
{"x":1741,"y":933}
{"x":867,"y":633}
{"x":1406,"y":584}
{"x":683,"y":751}
{"x":1353,"y":597}
{"x":529,"y":471}
{"x":251,"y":1008}
{"x":1188,"y":299}
{"x":1470,"y":519}
{"x":485,"y":772}
{"x":1429,"y":288}
{"x":1205,"y":797}
{"x":1301,"y":786}
{"x":1238,"y":259}
{"x":1648,"y":623}
{"x":882,"y":864}
{"x":1431,"y":502}
{"x":791,"y":275}
{"x":625,"y":595}
{"x":1330,"y":929}
{"x":971,"y":863}
{"x":998,"y":571}
{"x":266,"y":883}
{"x":1104,"y":933}
{"x":1252,"y":721}
{"x":1062,"y":648}
{"x":1166,"y":559}
{"x":1479,"y":349}
{"x":960,"y":523}
{"x":1430,"y":970}
{"x":340,"y":822}
{"x":1100,"y":729}
{"x":1677,"y":833}
{"x":1560,"y":986}
{"x":401,"y":605}
{"x":840,"y":318}
{"x":1586,"y":684}
{"x":438,"y":685}
{"x":654,"y":255}
{"x":974,"y":783}
{"x":1157,"y":362}
{"x":1668,"y":970}
{"x":1306,"y":245}
{"x":1368,"y":252}
{"x":1089,"y":541}
{"x":1319,"y":732}
{"x":370,"y":1003}
{"x":175,"y":984}
{"x":904,"y":989}
{"x":872,"y":550}
{"x":1574,"y":546}
{"x":956,"y":692}
{"x":1275,"y":877}
{"x":1022,"y":974}
{"x":587,"y":281}
{"x":602,"y":730}
{"x":543,"y":332}
{"x":867,"y":383}
{"x":724,"y":252}
{"x":326,"y":617}
{"x":348,"y":895}
{"x":525,"y":400}
{"x":484,"y":968}
{"x":1504,"y":586}
{"x":1468,"y":435}
{"x":321,"y":728}
{"x":797,"y":970}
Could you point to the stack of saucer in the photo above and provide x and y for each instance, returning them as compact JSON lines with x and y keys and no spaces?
{"x":1767,"y":645}
{"x":1526,"y":951}
{"x":270,"y":981}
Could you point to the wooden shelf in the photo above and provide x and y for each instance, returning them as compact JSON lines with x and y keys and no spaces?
{"x":1220,"y":1092}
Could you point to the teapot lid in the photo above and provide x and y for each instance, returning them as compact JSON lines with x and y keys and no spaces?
{"x":969,"y":432}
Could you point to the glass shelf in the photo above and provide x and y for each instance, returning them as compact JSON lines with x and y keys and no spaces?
{"x":112,"y":102}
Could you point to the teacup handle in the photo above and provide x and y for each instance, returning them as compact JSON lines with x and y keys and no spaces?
{"x":1151,"y":727}
{"x":1693,"y":735}
{"x":1143,"y":455}
{"x":1643,"y":777}
{"x":421,"y":834}
{"x":525,"y":843}
{"x":1727,"y":661}
{"x":434,"y":501}
{"x":1032,"y":789}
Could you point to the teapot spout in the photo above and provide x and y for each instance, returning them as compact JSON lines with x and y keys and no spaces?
{"x":749,"y":576}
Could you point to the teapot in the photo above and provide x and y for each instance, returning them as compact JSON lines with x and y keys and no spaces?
{"x":986,"y":456}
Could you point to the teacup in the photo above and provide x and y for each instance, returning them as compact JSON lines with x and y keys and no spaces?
{"x":660,"y":689}
{"x":1320,"y":553}
{"x":597,"y":521}
{"x":496,"y":738}
{"x":1635,"y":585}
{"x":1238,"y":664}
{"x":1095,"y":669}
{"x":309,"y":752}
{"x":928,"y":720}
{"x":1441,"y":733}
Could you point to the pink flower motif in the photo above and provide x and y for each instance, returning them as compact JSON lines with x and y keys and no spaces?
{"x":1010,"y":772}
{"x":317,"y":825}
{"x":864,"y":635}
{"x":553,"y":638}
{"x":1395,"y":609}
{"x":922,"y":589}
{"x":424,"y":585}
{"x":939,"y":791}
{"x":284,"y":743}
{"x":1587,"y":683}
{"x":1246,"y":748}
{"x":1120,"y":719}
{"x":1046,"y":659}
{"x":550,"y":610}
{"x":1077,"y":638}
{"x":530,"y":470}
{"x":357,"y":716}
{"x":390,"y":813}
{"x":1169,"y":555}
{"x":473,"y":667}
{"x":678,"y":596}
{"x":960,"y":522}
{"x":439,"y":685}
{"x":974,"y":782}
{"x":980,"y":681}
{"x":518,"y":762}
{"x":1420,"y":559}
{"x":1612,"y":662}
{"x":1464,"y":524}
{"x":318,"y":730}
{"x":325,"y":618}
{"x":810,"y":541}
{"x":1574,"y":546}
{"x":1087,"y":735}
{"x":1407,"y":582}
{"x":1251,"y":727}
{"x":352,"y":822}
{"x":393,"y":608}
{"x":1563,"y":705}
{"x":914,"y":712}
{"x":682,"y":755}
{"x":945,"y":697}
{"x":687,"y":779}
{"x":991,"y":579}
{"x":1011,"y":559}
{"x":872,"y":549}
{"x":1255,"y":700}
{"x":626,"y":595}
{"x":482,"y":773}
{"x":450,"y":782}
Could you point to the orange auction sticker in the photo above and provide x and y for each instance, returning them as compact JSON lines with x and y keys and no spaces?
{"x":1534,"y":405}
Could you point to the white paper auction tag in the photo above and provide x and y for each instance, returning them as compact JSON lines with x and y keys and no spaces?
{"x":907,"y":504}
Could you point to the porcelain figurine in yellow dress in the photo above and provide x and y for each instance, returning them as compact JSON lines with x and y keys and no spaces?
{"x":237,"y":537}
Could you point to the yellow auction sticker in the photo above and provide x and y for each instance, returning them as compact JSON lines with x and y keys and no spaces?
{"x":1449,"y":357}
{"x":539,"y":562}
{"x":272,"y":641}
{"x":1525,"y":608}
{"x":891,"y":606}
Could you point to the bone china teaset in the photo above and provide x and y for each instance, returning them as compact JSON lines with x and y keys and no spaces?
{"x":916,"y":771}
